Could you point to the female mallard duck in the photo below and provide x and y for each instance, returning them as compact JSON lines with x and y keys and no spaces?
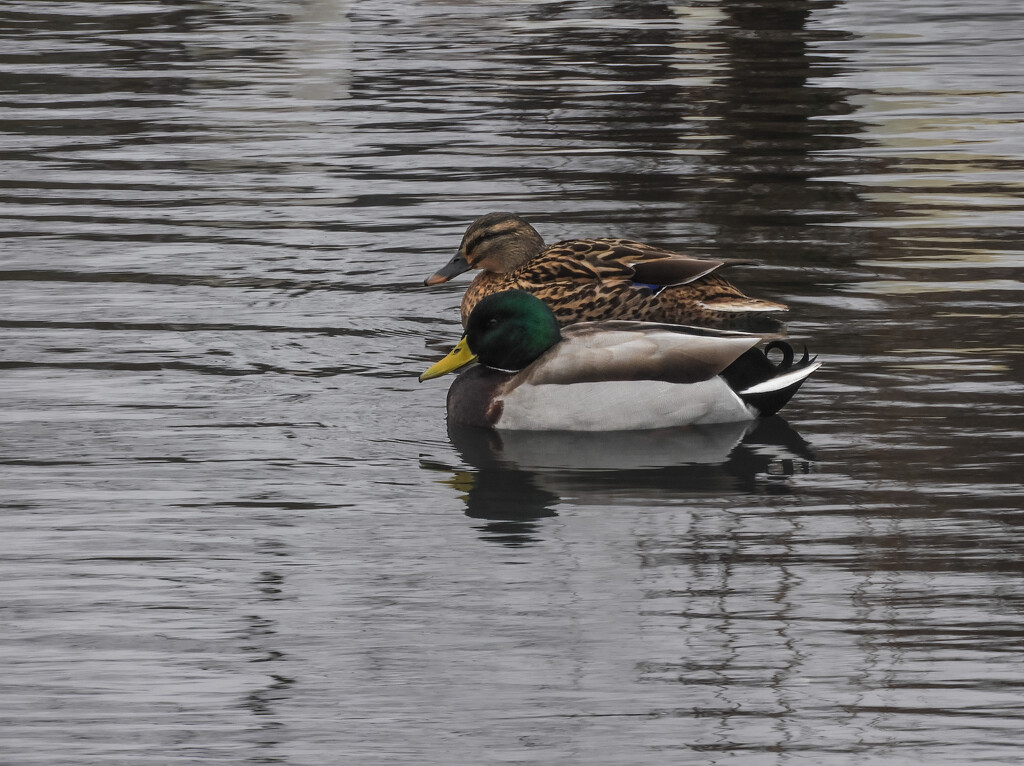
{"x":608,"y":376}
{"x":591,"y":279}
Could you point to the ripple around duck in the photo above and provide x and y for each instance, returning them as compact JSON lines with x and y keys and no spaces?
{"x":235,"y":519}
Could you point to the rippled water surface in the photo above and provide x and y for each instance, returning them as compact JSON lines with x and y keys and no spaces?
{"x":237,"y":530}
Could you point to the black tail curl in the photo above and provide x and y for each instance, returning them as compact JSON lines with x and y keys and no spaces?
{"x":787,"y":357}
{"x":754,"y":366}
{"x":787,"y":354}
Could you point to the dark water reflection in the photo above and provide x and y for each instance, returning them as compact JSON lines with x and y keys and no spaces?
{"x":519,"y":477}
{"x":238,"y":531}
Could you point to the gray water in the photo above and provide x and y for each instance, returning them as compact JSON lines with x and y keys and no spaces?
{"x":236,"y":529}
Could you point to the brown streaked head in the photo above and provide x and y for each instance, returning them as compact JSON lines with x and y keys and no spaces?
{"x":496,"y":242}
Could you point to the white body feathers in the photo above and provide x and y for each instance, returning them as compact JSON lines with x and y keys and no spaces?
{"x":620,"y":405}
{"x":621,"y":375}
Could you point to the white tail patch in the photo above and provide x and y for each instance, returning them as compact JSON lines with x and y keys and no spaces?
{"x":781,"y":381}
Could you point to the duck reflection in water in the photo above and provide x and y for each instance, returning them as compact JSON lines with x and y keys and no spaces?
{"x":520,"y":477}
{"x":551,"y":413}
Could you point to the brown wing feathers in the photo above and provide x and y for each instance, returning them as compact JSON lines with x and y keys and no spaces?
{"x":634,"y":261}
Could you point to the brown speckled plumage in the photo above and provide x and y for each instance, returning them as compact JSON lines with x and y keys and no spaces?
{"x":592,"y":279}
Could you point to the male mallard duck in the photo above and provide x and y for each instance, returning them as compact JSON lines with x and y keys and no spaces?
{"x":590,"y":279}
{"x":608,"y":376}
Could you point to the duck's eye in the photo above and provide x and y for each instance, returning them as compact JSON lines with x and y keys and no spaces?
{"x":492,"y":322}
{"x":482,"y":237}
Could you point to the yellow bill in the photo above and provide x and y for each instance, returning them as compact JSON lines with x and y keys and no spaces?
{"x":458,"y":357}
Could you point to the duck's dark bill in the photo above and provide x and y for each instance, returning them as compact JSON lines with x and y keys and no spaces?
{"x":453,"y":268}
{"x":458,"y":357}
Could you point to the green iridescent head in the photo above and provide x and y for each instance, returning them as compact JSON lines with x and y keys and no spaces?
{"x":506,"y":331}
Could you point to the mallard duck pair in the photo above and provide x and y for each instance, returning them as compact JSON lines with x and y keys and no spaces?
{"x":544,"y":365}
